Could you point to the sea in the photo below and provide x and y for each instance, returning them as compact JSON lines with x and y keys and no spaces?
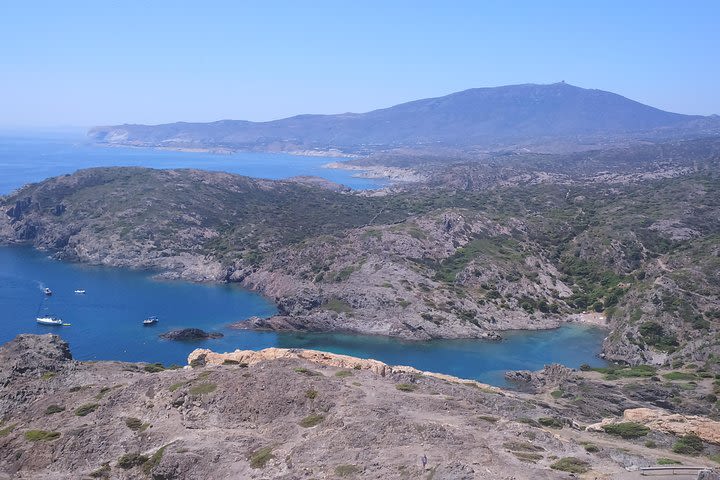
{"x":106,"y":321}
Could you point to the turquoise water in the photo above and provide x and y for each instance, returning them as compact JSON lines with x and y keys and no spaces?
{"x":26,"y":159}
{"x":106,"y":323}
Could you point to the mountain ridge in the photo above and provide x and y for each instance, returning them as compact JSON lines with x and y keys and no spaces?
{"x":488,"y":118}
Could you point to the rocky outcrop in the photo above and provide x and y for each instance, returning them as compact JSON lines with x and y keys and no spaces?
{"x":673,"y":423}
{"x":542,"y":380}
{"x":33,"y":355}
{"x":250,"y":357}
{"x":189,"y":334}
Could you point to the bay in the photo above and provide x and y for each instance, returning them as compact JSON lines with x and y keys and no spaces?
{"x":106,"y":323}
{"x":29,"y":158}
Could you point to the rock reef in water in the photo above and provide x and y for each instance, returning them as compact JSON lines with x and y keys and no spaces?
{"x":187,"y":334}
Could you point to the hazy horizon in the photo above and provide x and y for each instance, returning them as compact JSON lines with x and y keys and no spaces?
{"x":79,"y":65}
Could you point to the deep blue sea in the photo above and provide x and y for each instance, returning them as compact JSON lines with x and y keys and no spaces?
{"x":106,"y":322}
{"x":31,"y":158}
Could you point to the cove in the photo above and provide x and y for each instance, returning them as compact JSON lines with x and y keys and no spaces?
{"x":106,"y":323}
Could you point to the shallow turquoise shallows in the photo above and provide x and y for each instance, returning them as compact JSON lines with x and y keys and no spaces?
{"x":107,"y":323}
{"x":31,"y":159}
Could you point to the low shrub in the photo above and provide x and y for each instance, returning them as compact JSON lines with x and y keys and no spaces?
{"x":154,"y":460}
{"x":626,"y":429}
{"x":311,"y":420}
{"x":680,"y":376}
{"x":51,"y":409}
{"x":41,"y":435}
{"x":343,"y":373}
{"x":488,"y":418}
{"x":86,"y":409}
{"x":406,"y":387}
{"x":4,"y":432}
{"x":311,"y":394}
{"x":259,"y":458}
{"x":131,"y":460}
{"x":154,"y":367}
{"x":571,"y":464}
{"x":306,"y":371}
{"x":667,"y":461}
{"x":135,"y":424}
{"x":203,"y":388}
{"x":550,"y":422}
{"x":689,"y":445}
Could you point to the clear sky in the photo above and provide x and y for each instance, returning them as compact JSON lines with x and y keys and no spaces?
{"x":85,"y":63}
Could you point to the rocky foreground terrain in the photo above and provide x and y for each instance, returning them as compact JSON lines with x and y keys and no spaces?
{"x":296,"y":414}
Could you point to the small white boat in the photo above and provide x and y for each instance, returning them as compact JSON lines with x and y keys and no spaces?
{"x":49,"y":320}
{"x":151,"y":320}
{"x":80,"y":292}
{"x":47,"y":291}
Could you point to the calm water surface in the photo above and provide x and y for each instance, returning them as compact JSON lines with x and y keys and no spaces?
{"x":106,"y":323}
{"x":25,"y":159}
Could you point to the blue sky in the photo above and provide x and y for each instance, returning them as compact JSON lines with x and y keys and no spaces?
{"x":95,"y":62}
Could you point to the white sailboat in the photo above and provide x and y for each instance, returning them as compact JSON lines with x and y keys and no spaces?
{"x":49,"y":320}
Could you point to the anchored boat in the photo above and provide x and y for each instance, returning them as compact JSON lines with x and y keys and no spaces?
{"x":80,"y":292}
{"x":49,"y":320}
{"x":151,"y":320}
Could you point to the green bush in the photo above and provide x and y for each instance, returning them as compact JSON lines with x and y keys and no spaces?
{"x":311,"y":394}
{"x":343,"y":373}
{"x":571,"y":464}
{"x":51,"y":409}
{"x":689,"y":445}
{"x":41,"y":435}
{"x":4,"y":432}
{"x":406,"y":387}
{"x":86,"y":409}
{"x":259,"y":458}
{"x":203,"y":388}
{"x":135,"y":424}
{"x":311,"y":420}
{"x":550,"y":422}
{"x":680,"y":376}
{"x":154,"y":367}
{"x":154,"y":460}
{"x":556,"y":393}
{"x":627,"y":429}
{"x":667,"y":461}
{"x":131,"y":460}
{"x":306,"y":371}
{"x":591,"y":448}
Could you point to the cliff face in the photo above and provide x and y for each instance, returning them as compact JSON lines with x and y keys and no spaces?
{"x":284,"y":414}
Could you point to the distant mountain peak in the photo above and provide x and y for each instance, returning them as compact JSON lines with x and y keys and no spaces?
{"x":486,"y":118}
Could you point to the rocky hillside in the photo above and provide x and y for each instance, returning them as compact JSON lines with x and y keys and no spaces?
{"x":523,"y":246}
{"x":514,"y":116}
{"x":307,"y":415}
